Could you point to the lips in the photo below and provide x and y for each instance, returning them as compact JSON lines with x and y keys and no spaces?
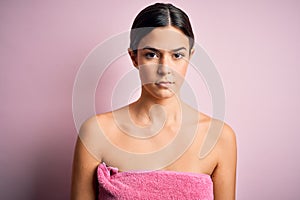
{"x":164,"y":84}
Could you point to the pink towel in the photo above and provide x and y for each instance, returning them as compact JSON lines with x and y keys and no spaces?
{"x":152,"y":185}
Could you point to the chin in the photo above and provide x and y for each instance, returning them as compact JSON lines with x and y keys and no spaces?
{"x":164,"y":96}
{"x":160,"y":93}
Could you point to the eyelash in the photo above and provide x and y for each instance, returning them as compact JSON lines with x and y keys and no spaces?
{"x":150,"y":55}
{"x":179,"y":54}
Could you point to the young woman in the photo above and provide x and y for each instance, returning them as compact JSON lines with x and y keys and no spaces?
{"x":161,"y":46}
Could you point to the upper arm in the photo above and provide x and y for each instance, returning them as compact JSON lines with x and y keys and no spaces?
{"x":84,"y":181}
{"x":224,"y":175}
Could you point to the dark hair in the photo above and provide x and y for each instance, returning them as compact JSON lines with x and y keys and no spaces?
{"x":159,"y":15}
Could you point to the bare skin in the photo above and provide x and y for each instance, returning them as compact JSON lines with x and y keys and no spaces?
{"x":157,"y":50}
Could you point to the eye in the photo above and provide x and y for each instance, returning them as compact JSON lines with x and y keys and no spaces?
{"x":178,"y":55}
{"x":150,"y":55}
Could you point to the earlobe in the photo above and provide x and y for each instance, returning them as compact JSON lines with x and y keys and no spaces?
{"x":133,"y":57}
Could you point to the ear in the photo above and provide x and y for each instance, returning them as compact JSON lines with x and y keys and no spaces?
{"x":192,"y":52}
{"x":133,"y":57}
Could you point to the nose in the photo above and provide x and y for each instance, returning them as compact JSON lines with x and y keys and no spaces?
{"x":163,"y":70}
{"x":163,"y":67}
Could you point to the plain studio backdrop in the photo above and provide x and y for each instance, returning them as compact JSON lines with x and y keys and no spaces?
{"x":254,"y":45}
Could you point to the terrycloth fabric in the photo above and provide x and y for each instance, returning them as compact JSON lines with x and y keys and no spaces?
{"x":152,"y":185}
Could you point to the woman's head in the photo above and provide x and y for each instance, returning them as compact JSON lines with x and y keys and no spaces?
{"x":161,"y":43}
{"x":160,"y":15}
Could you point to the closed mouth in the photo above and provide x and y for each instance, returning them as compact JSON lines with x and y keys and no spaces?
{"x":165,"y":84}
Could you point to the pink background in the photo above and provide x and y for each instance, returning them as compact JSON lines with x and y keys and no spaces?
{"x":255,"y":46}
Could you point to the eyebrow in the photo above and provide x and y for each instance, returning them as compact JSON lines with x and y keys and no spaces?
{"x":156,"y":50}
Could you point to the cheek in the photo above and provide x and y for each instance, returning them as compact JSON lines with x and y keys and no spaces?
{"x":182,"y":71}
{"x":181,"y":68}
{"x":147,"y":73}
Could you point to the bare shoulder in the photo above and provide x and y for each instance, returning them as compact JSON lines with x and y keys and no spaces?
{"x":87,"y":134}
{"x":88,"y":126}
{"x":85,"y":162}
{"x":224,"y":175}
{"x":105,"y":118}
{"x":218,"y":127}
{"x":91,"y":138}
{"x":94,"y":124}
{"x":219,"y":136}
{"x":227,"y":137}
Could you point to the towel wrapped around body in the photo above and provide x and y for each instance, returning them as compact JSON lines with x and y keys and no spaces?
{"x":152,"y":185}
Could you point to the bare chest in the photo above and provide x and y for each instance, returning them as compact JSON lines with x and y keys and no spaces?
{"x":169,"y":149}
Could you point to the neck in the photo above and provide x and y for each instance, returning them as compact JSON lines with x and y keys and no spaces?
{"x":140,"y":110}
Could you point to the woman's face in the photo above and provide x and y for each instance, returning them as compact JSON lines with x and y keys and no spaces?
{"x":162,"y":59}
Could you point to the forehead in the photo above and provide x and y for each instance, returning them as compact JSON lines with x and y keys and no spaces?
{"x":166,"y":38}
